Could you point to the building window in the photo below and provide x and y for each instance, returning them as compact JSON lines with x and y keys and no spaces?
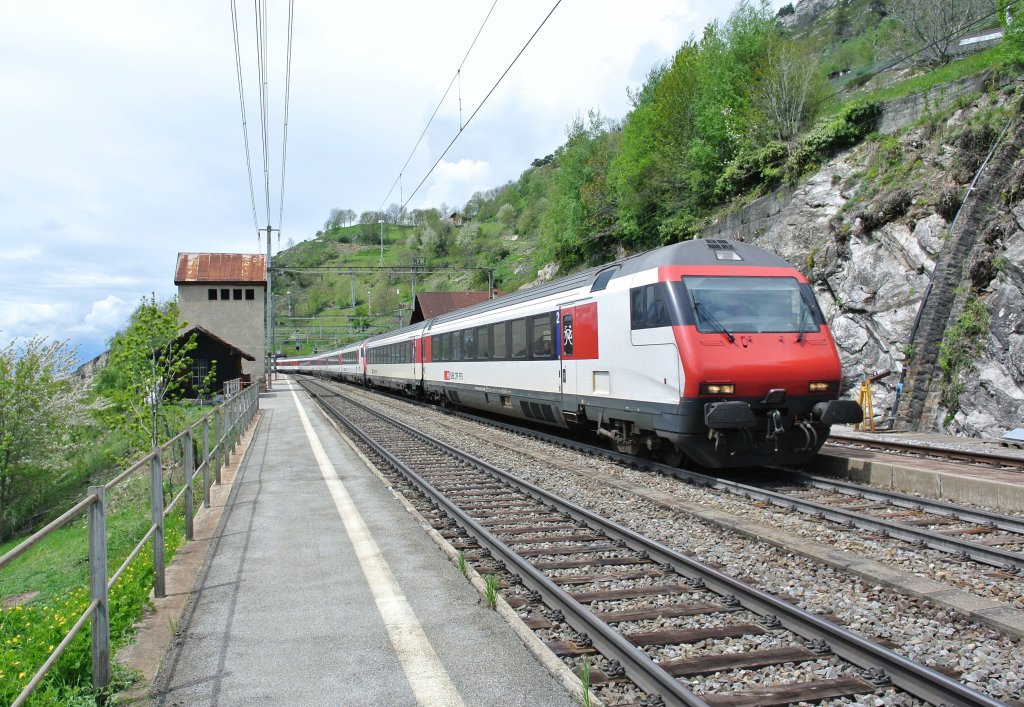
{"x":211,"y":293}
{"x":250,"y":293}
{"x":225,"y":293}
{"x":237,"y":293}
{"x":200,"y":369}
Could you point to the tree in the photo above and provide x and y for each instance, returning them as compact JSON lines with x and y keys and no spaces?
{"x":507,"y":215}
{"x":40,"y":407}
{"x":690,"y":119}
{"x":577,"y":226}
{"x":394,"y":214}
{"x":148,"y":367}
{"x":369,"y":228}
{"x":1013,"y":31}
{"x":787,"y":91}
{"x":935,"y":25}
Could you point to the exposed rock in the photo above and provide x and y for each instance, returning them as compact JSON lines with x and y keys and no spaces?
{"x":804,"y":11}
{"x":545,"y":274}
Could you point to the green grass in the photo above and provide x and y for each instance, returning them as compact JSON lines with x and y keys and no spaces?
{"x":57,"y":570}
{"x":970,"y":65}
{"x":491,"y":591}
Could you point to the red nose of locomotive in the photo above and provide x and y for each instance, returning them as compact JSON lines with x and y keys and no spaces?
{"x":761,"y":370}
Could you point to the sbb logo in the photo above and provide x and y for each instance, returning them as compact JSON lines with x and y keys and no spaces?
{"x":452,"y":376}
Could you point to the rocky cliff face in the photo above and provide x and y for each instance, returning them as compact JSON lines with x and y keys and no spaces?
{"x":873,"y":229}
{"x":805,"y":12}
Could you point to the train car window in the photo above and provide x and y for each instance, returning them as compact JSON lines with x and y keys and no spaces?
{"x":456,"y":345}
{"x":601,"y":281}
{"x":469,"y":344}
{"x":435,"y":347}
{"x":648,"y":307}
{"x":520,"y":338}
{"x":499,"y":343}
{"x":483,"y":342}
{"x":542,"y":342}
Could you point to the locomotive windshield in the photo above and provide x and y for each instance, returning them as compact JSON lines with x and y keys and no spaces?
{"x":752,"y":304}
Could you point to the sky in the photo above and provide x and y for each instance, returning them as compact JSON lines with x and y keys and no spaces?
{"x":122,"y":138}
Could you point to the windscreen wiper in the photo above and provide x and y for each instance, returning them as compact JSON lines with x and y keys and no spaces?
{"x":711,"y":318}
{"x":803,"y":318}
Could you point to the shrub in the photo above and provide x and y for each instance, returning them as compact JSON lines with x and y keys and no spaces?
{"x":749,"y":169}
{"x":961,"y":345}
{"x":948,"y":203}
{"x":828,"y":136}
{"x":888,"y":207}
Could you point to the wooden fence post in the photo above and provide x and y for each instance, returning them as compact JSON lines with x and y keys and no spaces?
{"x":188,"y":463}
{"x":98,"y":588}
{"x":206,"y":461}
{"x":156,"y":482}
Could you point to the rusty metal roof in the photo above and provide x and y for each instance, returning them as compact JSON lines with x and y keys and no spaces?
{"x":226,"y":268}
{"x":433,"y":304}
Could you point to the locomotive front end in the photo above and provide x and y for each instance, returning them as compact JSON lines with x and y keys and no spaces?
{"x":762,"y":373}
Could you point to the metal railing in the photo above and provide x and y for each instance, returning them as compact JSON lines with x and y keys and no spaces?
{"x":229,"y":421}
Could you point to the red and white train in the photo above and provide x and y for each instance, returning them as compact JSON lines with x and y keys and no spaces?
{"x":709,"y":350}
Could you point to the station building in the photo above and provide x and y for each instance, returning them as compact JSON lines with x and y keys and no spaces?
{"x":224,"y":296}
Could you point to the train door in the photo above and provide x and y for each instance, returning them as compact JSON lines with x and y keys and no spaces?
{"x":577,"y":326}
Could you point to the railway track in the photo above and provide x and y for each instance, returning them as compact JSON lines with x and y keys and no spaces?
{"x":634,"y":601}
{"x":925,"y":451}
{"x":965,"y":534}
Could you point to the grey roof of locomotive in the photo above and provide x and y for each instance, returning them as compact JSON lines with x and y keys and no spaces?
{"x":694,"y":252}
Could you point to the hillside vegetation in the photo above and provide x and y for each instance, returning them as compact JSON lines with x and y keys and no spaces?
{"x":756,"y":101}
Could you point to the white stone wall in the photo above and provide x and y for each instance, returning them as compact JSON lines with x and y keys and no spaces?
{"x":239,"y":322}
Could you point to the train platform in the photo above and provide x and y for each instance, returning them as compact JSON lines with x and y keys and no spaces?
{"x":319,"y":588}
{"x":998,"y":487}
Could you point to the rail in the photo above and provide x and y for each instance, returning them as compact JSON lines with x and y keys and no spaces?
{"x":228,"y":420}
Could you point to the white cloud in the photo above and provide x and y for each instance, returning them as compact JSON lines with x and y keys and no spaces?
{"x":104,"y":316}
{"x":123,"y":141}
{"x":451,"y":180}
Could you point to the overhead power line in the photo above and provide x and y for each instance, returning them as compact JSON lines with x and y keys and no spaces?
{"x":287,"y":95}
{"x":241,"y":102}
{"x":456,"y":77}
{"x":481,"y":105}
{"x":260,"y":7}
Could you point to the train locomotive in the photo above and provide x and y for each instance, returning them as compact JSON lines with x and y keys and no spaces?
{"x":710,"y":351}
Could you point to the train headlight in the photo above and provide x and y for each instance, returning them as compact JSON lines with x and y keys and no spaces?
{"x":717,"y":388}
{"x":824,"y":387}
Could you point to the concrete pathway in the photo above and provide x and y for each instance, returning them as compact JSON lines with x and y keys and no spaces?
{"x":320,"y":589}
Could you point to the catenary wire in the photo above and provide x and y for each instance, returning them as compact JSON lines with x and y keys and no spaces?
{"x":241,"y":102}
{"x":482,"y":102}
{"x":287,"y":95}
{"x":439,"y":104}
{"x":262,"y":78}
